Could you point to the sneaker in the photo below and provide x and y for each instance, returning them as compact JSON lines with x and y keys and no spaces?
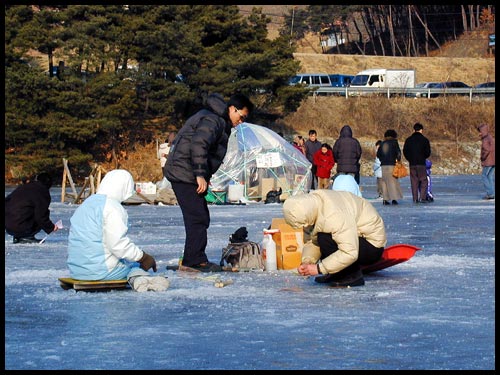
{"x":487,"y":197}
{"x":354,"y":279}
{"x":31,"y":239}
{"x":386,"y":203}
{"x":394,"y":201}
{"x":207,"y":267}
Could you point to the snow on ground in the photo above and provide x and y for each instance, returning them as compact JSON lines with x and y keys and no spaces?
{"x":435,"y":311}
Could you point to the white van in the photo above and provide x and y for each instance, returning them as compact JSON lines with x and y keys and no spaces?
{"x":394,"y":78}
{"x":382,"y":78}
{"x":311,"y":80}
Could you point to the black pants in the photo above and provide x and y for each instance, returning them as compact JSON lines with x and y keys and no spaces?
{"x":25,"y":234}
{"x":196,"y":217}
{"x":314,"y":178}
{"x":368,"y":254}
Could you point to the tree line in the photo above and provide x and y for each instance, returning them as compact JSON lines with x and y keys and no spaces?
{"x":388,"y":30}
{"x":119,"y":75}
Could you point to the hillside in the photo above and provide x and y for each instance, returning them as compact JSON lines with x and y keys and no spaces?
{"x":451,"y":131}
{"x":453,"y":136}
{"x":454,"y":63}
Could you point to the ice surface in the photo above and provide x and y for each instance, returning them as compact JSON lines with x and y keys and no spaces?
{"x":436,"y":311}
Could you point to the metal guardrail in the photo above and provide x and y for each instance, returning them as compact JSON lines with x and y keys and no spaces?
{"x":348,"y":92}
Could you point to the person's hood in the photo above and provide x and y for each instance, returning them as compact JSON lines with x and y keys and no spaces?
{"x":217,"y":104}
{"x":484,"y":129}
{"x":346,"y":182}
{"x":301,"y":210}
{"x":346,"y":131}
{"x":117,"y":184}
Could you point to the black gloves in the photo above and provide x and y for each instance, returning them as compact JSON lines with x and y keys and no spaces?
{"x":147,"y":261}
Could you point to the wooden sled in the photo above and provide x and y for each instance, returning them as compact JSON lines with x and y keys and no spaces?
{"x":93,"y":286}
{"x":392,"y":255}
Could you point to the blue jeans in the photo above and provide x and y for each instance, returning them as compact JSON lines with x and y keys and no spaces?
{"x":126,"y":270}
{"x":489,"y":185}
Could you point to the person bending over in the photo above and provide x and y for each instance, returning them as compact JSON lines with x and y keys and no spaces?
{"x":345,"y":233}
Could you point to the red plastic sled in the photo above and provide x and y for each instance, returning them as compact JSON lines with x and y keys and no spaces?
{"x":392,"y":255}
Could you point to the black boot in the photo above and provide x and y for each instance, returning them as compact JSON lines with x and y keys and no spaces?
{"x":354,"y":279}
{"x":325,"y":279}
{"x":30,"y":239}
{"x":331,"y":277}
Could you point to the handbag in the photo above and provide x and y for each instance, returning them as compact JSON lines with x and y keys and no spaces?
{"x":399,"y":170}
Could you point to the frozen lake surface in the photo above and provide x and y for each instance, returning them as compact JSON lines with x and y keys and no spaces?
{"x":436,"y":311}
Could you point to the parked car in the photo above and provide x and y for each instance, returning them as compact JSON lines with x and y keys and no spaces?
{"x":447,"y":85}
{"x":451,"y":84}
{"x":423,"y":93}
{"x":311,"y":80}
{"x":485,"y":85}
{"x":341,"y":80}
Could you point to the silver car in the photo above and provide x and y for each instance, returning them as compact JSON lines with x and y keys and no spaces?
{"x":424,"y":93}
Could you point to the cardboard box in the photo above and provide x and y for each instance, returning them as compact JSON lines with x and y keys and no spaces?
{"x":145,"y":187}
{"x":265,"y":186}
{"x":285,"y":188}
{"x":289,"y":244}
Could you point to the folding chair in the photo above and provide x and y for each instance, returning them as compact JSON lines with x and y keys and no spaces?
{"x":216,"y":196}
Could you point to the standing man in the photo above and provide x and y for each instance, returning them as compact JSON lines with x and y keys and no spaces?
{"x":312,"y":146}
{"x":487,"y":160}
{"x":27,"y":210}
{"x":416,"y":149}
{"x":195,"y":155}
{"x":347,"y":153}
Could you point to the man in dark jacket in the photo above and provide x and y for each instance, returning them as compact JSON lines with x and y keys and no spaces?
{"x":312,"y":146}
{"x":195,"y":155}
{"x":27,"y":210}
{"x":416,"y":149}
{"x":347,"y":152}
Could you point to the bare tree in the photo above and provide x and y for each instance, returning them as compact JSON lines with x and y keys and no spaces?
{"x":464,"y":18}
{"x":365,"y":17}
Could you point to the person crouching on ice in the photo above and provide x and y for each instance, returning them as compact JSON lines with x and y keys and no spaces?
{"x":98,"y":245}
{"x":345,"y":232}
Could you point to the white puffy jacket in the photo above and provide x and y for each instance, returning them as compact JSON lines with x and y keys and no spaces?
{"x":98,"y":233}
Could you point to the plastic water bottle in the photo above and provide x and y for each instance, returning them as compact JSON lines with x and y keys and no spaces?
{"x":263,"y":246}
{"x":271,"y":262}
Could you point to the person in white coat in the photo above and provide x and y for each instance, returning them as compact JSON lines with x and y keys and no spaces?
{"x":98,"y":245}
{"x":377,"y":170}
{"x":345,"y":232}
